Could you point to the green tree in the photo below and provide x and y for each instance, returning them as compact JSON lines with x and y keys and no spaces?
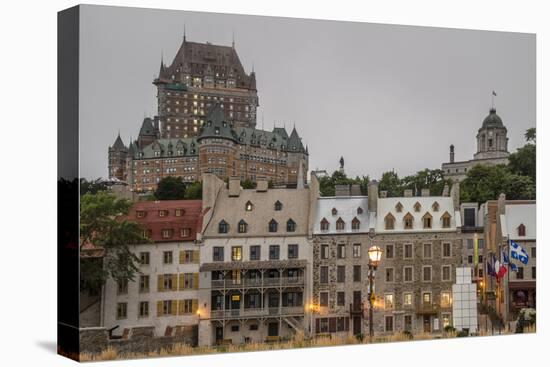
{"x":524,"y":160}
{"x":170,"y":188}
{"x":485,"y":182}
{"x":194,"y":191}
{"x":391,"y":183}
{"x":248,"y":184}
{"x":531,"y":135}
{"x":426,"y":179}
{"x":102,"y":224}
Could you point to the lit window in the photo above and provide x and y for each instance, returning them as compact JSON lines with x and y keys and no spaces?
{"x":236,"y":253}
{"x":388,"y":301}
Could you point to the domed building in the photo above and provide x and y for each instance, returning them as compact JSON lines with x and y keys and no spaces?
{"x":492,"y":148}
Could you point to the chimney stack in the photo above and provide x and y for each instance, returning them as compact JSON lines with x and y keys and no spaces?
{"x":425,"y":192}
{"x":408,"y":193}
{"x":383,"y":194}
{"x":261,"y":184}
{"x":234,"y":186}
{"x":341,"y":190}
{"x":455,"y":195}
{"x":373,"y":196}
{"x":452,"y":153}
{"x":445,"y":190}
{"x":355,"y":190}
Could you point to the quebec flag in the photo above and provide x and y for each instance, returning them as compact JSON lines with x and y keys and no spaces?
{"x":518,"y":253}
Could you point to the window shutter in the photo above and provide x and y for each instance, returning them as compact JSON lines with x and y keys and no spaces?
{"x":174,"y":307}
{"x":174,"y":282}
{"x":159,"y":308}
{"x":181,"y":304}
{"x":317,"y":326}
{"x":196,"y":256}
{"x":160,"y":283}
{"x":195,"y":280}
{"x":195,"y":305}
{"x":182,"y":257}
{"x":182,"y":282}
{"x":332,"y":325}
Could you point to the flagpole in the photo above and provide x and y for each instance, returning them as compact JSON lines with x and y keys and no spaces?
{"x":507,"y":289}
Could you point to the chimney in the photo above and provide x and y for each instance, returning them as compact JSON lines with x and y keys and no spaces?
{"x":261,"y":184}
{"x":445,"y":190}
{"x":408,"y":193}
{"x":355,"y":190}
{"x":452,"y":153}
{"x":341,"y":190}
{"x":234,"y":186}
{"x":300,"y":179}
{"x":455,"y":195}
{"x":425,"y":192}
{"x":383,"y":194}
{"x":373,"y":196}
{"x":313,"y":196}
{"x":501,"y":203}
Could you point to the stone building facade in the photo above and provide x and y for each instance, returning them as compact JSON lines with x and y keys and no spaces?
{"x":164,"y":294}
{"x":255,"y":262}
{"x":492,"y":148}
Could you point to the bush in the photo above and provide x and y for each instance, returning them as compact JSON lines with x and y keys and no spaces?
{"x":449,"y":329}
{"x":407,"y":334}
{"x":462,"y":333}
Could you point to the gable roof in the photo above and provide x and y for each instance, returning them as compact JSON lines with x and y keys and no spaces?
{"x":347,"y":211}
{"x":516,"y":214}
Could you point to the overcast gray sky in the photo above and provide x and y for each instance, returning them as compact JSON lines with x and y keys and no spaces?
{"x":383,"y":96}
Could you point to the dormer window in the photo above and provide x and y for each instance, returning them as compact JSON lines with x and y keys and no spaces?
{"x":427,"y":220}
{"x":389,"y":221}
{"x":184,"y":232}
{"x":408,"y":221}
{"x":273,"y":225}
{"x":521,"y":230}
{"x":290,"y":226}
{"x":398,"y":207}
{"x":359,"y":210}
{"x":179,"y":212}
{"x":278,"y":205}
{"x":324,"y":224}
{"x":334,"y":211}
{"x":417,"y":207}
{"x":435,"y":206}
{"x":355,"y":223}
{"x":141,"y":213}
{"x":243,"y":226}
{"x":167,"y":233}
{"x":340,"y":224}
{"x":163,"y":213}
{"x":248,"y":206}
{"x":223,"y":227}
{"x":446,"y":220}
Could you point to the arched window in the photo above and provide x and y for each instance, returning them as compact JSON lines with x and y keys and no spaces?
{"x":278,"y":205}
{"x":446,"y":220}
{"x":248,"y":206}
{"x":398,"y":207}
{"x":408,"y":221}
{"x":521,"y":230}
{"x":355,"y":224}
{"x":427,"y":220}
{"x":273,"y":225}
{"x":389,"y":221}
{"x":417,"y":207}
{"x":243,"y":226}
{"x":290,"y":225}
{"x":340,"y":224}
{"x":223,"y":227}
{"x":324,"y":224}
{"x":435,"y":206}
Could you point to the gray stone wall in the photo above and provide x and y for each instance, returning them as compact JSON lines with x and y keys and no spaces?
{"x":140,"y":340}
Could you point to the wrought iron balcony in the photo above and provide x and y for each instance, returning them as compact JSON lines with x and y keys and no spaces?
{"x":258,"y":282}
{"x":257,"y":312}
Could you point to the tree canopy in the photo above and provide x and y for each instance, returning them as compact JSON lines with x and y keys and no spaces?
{"x":170,"y":188}
{"x":327,"y":184}
{"x":101,"y":224}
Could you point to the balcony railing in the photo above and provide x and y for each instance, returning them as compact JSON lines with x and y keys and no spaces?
{"x":257,"y":282}
{"x":256,"y":312}
{"x":427,"y":308}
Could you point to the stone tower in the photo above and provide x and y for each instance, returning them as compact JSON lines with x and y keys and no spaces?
{"x":492,"y":140}
{"x":117,"y":159}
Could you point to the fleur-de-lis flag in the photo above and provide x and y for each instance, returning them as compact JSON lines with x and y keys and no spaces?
{"x":518,"y":253}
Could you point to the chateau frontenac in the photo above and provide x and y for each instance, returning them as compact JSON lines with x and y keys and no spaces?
{"x":206,"y":123}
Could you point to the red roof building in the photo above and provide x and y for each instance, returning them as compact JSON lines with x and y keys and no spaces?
{"x":169,"y":220}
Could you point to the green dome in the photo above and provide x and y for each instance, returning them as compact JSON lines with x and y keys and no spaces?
{"x":493,"y":120}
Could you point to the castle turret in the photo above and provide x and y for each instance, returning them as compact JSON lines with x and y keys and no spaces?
{"x":492,"y":140}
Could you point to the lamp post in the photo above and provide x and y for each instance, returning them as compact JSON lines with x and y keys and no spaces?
{"x":375,"y":254}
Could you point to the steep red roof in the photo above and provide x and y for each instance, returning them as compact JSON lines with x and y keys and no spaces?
{"x":177,"y":215}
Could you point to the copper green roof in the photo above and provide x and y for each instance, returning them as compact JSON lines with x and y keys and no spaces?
{"x":493,"y":120}
{"x":166,"y":148}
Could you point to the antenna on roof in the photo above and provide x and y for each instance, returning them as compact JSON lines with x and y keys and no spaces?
{"x":493,"y":95}
{"x":184,"y":32}
{"x":233,"y":39}
{"x":252,"y":66}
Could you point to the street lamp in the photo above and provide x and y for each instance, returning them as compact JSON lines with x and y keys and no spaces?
{"x":375,"y":254}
